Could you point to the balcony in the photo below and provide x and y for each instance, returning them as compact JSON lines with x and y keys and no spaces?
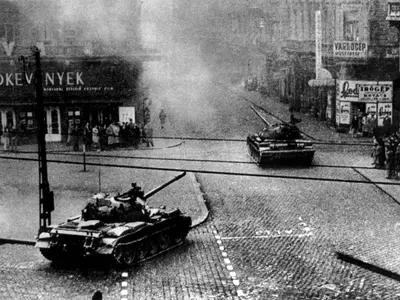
{"x":393,"y":13}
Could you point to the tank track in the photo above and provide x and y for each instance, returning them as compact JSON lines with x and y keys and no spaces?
{"x":127,"y":254}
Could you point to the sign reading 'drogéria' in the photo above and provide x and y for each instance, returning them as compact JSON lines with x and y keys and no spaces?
{"x":350,"y":49}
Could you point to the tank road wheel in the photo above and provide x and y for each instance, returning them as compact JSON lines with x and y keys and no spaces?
{"x":152,"y":246}
{"x":141,"y":252}
{"x":51,"y":254}
{"x":118,"y":255}
{"x":164,"y":241}
{"x":179,"y":238}
{"x":130,"y":256}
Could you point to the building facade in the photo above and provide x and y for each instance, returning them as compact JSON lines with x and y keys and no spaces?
{"x":91,"y":62}
{"x":276,"y":41}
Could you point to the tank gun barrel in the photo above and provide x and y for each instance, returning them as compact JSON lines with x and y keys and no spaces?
{"x":159,"y":188}
{"x":261,"y":117}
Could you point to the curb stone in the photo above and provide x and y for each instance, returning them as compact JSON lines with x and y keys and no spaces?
{"x":200,"y":200}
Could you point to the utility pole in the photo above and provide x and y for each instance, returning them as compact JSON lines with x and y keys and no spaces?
{"x":46,"y":197}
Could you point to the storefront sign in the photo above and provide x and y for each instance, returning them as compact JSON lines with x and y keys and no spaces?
{"x":364,"y":91}
{"x":375,"y":92}
{"x":351,"y":49}
{"x":113,"y":78}
{"x":344,"y":112}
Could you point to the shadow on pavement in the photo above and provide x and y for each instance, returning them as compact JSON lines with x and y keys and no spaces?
{"x":368,"y":266}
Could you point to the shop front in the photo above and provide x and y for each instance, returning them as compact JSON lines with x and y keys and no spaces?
{"x":74,"y":92}
{"x":363,"y":98}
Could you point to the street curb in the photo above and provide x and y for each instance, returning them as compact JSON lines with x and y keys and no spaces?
{"x":201,"y":202}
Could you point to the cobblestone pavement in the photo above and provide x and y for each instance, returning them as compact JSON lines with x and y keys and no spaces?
{"x":283,"y":237}
{"x":196,"y":270}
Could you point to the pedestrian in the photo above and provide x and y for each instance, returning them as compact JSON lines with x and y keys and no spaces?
{"x":148,"y":135}
{"x":163,"y":117}
{"x":70,"y":130}
{"x":387,"y":123}
{"x":390,"y":160}
{"x":110,"y":136}
{"x":381,"y":153}
{"x":102,"y":137}
{"x":364,"y":123}
{"x":13,"y":139}
{"x":130,"y":129}
{"x":75,"y":138}
{"x":294,"y":120}
{"x":360,"y":115}
{"x":87,"y":136}
{"x":7,"y":137}
{"x":96,"y":138}
{"x":354,"y":126}
{"x":370,"y":124}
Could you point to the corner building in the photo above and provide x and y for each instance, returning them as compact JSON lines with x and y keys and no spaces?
{"x":91,"y":68}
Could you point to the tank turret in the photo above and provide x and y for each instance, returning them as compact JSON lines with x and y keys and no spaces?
{"x":123,"y":227}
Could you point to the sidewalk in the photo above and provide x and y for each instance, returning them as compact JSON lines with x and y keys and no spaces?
{"x":159,"y":143}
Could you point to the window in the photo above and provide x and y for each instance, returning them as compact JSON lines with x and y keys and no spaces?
{"x":7,"y":32}
{"x":43,"y":33}
{"x":10,"y":117}
{"x":54,"y":121}
{"x":351,"y":23}
{"x":26,"y":117}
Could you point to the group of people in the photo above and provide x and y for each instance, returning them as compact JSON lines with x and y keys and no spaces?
{"x":11,"y":136}
{"x":363,"y":124}
{"x":111,"y":136}
{"x":386,"y":154}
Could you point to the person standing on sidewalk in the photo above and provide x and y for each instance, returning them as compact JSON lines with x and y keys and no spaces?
{"x":14,"y":136}
{"x":7,"y":137}
{"x":95,"y":137}
{"x":148,"y":135}
{"x":354,"y":126}
{"x":390,"y":160}
{"x":163,"y":117}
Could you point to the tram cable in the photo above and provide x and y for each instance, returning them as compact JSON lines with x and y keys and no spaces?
{"x":199,"y":171}
{"x":79,"y":154}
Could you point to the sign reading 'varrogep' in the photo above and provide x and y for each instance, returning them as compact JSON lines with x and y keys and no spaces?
{"x":350,"y":49}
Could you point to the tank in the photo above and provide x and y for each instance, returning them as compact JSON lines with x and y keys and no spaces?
{"x":280,"y":143}
{"x":121,"y":227}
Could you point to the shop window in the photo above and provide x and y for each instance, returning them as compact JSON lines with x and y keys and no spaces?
{"x":9,"y":117}
{"x":54,"y":122}
{"x":351,"y":23}
{"x":27,"y":118}
{"x":7,"y":32}
{"x":74,"y":117}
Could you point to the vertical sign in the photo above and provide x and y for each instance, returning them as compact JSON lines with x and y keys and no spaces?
{"x":318,"y":44}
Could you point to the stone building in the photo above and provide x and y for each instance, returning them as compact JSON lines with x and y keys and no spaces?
{"x":276,"y":41}
{"x":91,"y":61}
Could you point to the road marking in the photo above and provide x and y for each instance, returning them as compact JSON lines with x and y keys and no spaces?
{"x":227,"y":261}
{"x":124,"y":285}
{"x":267,"y":236}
